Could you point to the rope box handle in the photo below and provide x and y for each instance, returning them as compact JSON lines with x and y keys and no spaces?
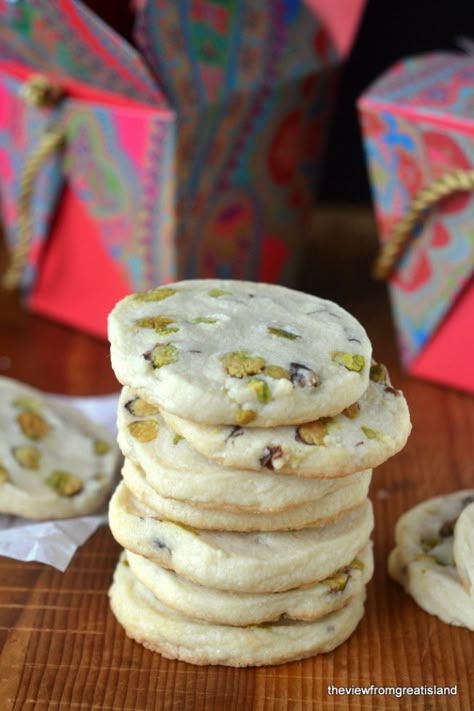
{"x":39,"y":92}
{"x":393,"y":248}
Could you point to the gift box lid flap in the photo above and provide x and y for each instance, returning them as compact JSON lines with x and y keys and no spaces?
{"x":437,"y":86}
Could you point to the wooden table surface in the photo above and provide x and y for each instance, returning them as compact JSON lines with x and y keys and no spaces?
{"x":61,"y":647}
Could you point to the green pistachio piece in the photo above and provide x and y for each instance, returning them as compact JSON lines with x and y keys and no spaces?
{"x":64,"y":483}
{"x":314,"y":432}
{"x":276,"y":372}
{"x":101,"y":447}
{"x":427,"y":558}
{"x":349,"y":360}
{"x":203,"y":319}
{"x":244,"y":416}
{"x":4,"y":476}
{"x":337,"y":582}
{"x":32,"y":425}
{"x":352,"y":411}
{"x":378,"y":373}
{"x":140,"y":408}
{"x":428,"y":543}
{"x":28,"y":456}
{"x":369,"y":432}
{"x":144,"y":430}
{"x":25,"y":403}
{"x":357,"y":564}
{"x":158,"y":323}
{"x":282,"y":333}
{"x":184,"y":526}
{"x":159,"y":294}
{"x":261,"y":389}
{"x":215,"y":293}
{"x":162,"y":354}
{"x":240,"y":363}
{"x":177,"y":438}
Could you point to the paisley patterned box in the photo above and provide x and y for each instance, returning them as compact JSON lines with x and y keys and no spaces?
{"x":418,"y":128}
{"x":194,"y":153}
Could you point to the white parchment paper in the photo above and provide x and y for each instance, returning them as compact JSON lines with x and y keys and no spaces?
{"x":55,"y":542}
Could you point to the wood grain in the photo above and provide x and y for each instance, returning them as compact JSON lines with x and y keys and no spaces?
{"x":61,"y":647}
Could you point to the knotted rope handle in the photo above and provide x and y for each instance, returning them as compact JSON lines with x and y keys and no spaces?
{"x":39,"y":92}
{"x":392,"y":249}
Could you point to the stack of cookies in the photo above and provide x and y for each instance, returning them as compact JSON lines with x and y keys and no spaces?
{"x":250,"y":420}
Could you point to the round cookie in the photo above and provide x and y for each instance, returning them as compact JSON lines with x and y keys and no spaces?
{"x":227,"y":608}
{"x":178,"y":471}
{"x":240,"y":562}
{"x":175,"y":636}
{"x":313,"y":513}
{"x":360,"y":437}
{"x":253,"y":353}
{"x":463,"y":547}
{"x":423,"y":560}
{"x":54,"y":462}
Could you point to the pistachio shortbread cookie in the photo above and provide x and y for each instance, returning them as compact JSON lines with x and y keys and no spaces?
{"x":178,"y":471}
{"x":463,"y":548}
{"x":254,"y":353}
{"x":423,"y":560}
{"x":227,"y":608}
{"x":54,"y":462}
{"x":239,"y":562}
{"x":176,"y":636}
{"x":313,"y":513}
{"x":361,"y":436}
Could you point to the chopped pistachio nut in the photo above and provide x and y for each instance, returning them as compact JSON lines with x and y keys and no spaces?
{"x":427,"y":543}
{"x":64,"y":483}
{"x":32,"y":425}
{"x":28,"y":456}
{"x":158,"y":323}
{"x":240,"y":363}
{"x":101,"y":447}
{"x":349,"y":360}
{"x":352,"y":411}
{"x":25,"y":403}
{"x":276,"y":372}
{"x":369,"y":432}
{"x":245,"y":416}
{"x":357,"y":564}
{"x":427,"y":558}
{"x":378,"y":373}
{"x":162,"y":354}
{"x":282,"y":333}
{"x":177,"y":438}
{"x":261,"y":389}
{"x":215,"y":293}
{"x":184,"y":526}
{"x":4,"y":476}
{"x":140,"y":408}
{"x":155,"y":294}
{"x":144,"y":430}
{"x":203,"y":319}
{"x":314,"y":432}
{"x":337,"y":582}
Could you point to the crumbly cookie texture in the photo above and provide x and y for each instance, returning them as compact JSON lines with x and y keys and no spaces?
{"x":257,"y":354}
{"x":362,"y":436}
{"x":423,"y":559}
{"x":313,"y":513}
{"x":177,"y":636}
{"x":227,"y":608}
{"x":54,"y":462}
{"x":463,"y":546}
{"x":178,"y":471}
{"x":239,"y":562}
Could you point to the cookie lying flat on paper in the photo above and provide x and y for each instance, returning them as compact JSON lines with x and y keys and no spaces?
{"x":362,"y":436}
{"x":54,"y":462}
{"x":313,"y":513}
{"x":239,"y":562}
{"x":253,"y":353}
{"x":176,"y":636}
{"x":227,"y":608}
{"x":423,"y":560}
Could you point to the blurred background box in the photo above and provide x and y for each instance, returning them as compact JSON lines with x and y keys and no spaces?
{"x":418,"y":128}
{"x":193,"y":152}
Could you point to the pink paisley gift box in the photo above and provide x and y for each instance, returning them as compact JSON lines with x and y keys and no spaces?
{"x":193,"y":152}
{"x":418,"y":128}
